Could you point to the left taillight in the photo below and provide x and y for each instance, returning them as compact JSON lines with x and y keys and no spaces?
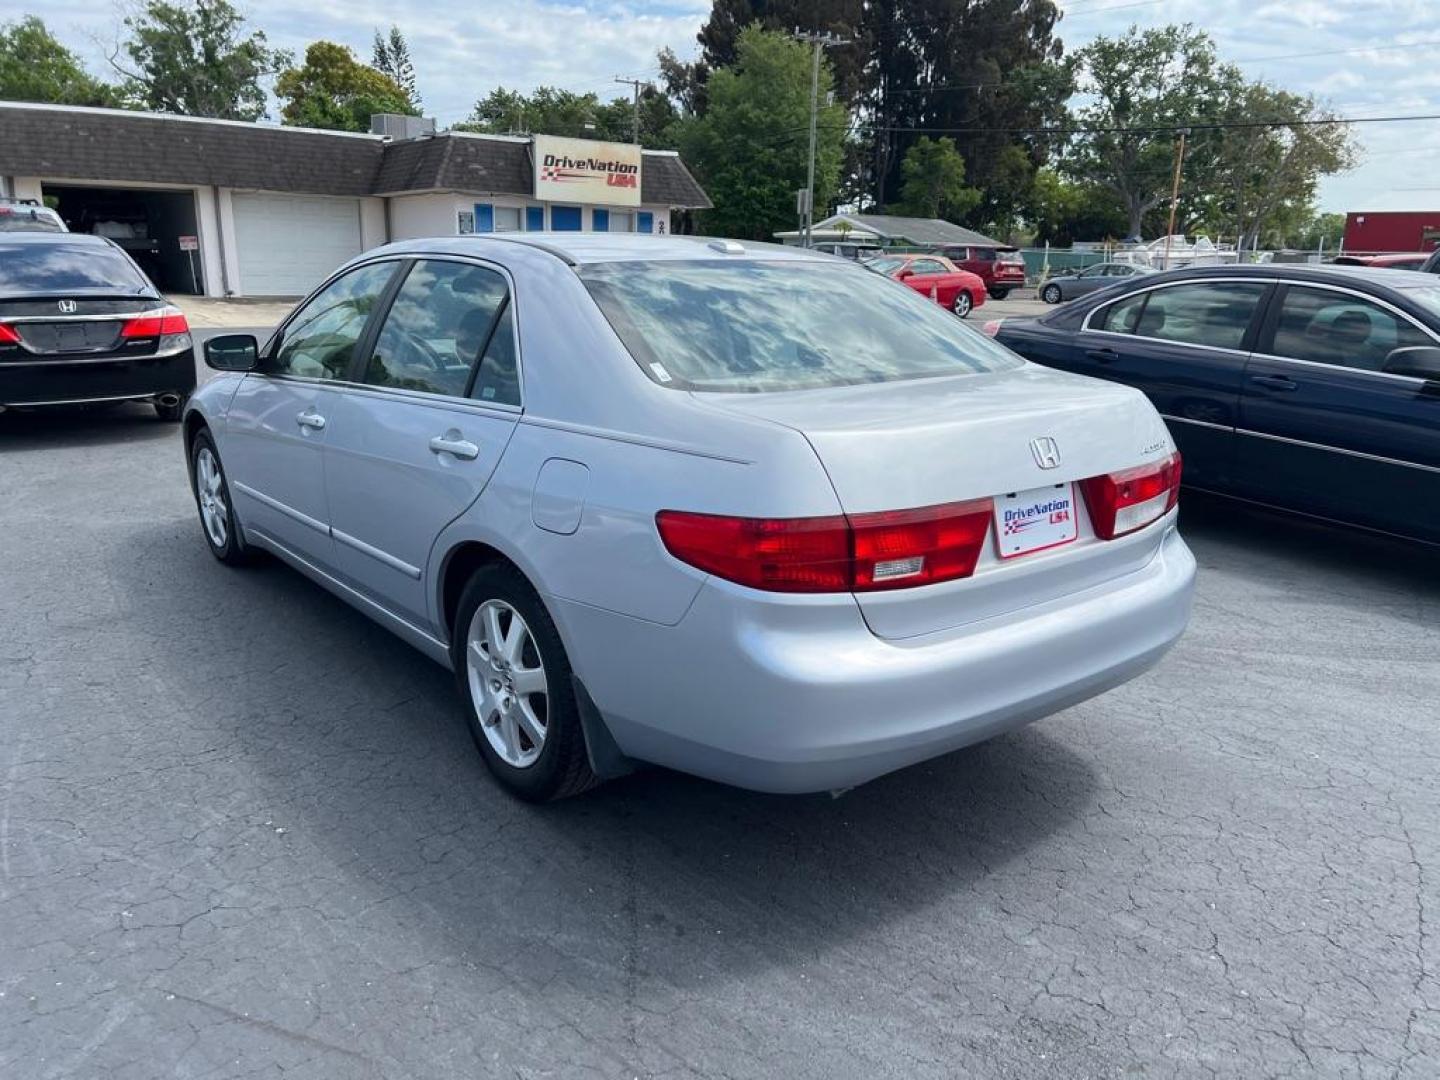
{"x":1123,"y":502}
{"x":158,"y":323}
{"x":893,"y":549}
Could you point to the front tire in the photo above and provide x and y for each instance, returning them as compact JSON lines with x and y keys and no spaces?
{"x":212,"y":498}
{"x":515,"y":680}
{"x":963,"y":304}
{"x":1051,"y":294}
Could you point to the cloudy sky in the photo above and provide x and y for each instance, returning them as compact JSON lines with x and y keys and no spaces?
{"x":1365,"y":57}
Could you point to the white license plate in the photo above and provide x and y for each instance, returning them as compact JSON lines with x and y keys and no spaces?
{"x":1034,"y":520}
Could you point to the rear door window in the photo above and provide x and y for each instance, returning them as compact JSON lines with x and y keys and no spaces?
{"x":48,"y":268}
{"x":1215,"y":314}
{"x":441,"y":322}
{"x":1326,"y":327}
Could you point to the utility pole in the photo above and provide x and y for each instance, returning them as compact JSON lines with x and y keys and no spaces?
{"x":635,"y":123}
{"x":819,"y":42}
{"x":1175,"y":193}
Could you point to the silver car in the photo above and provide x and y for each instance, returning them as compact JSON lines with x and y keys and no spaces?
{"x":745,"y":511}
{"x":1075,"y":283}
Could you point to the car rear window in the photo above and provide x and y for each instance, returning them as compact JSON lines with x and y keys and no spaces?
{"x":29,"y":219}
{"x":760,"y":326}
{"x":67,"y":268}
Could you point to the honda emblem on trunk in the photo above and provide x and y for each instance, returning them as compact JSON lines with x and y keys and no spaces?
{"x":67,"y":307}
{"x":1047,"y":454}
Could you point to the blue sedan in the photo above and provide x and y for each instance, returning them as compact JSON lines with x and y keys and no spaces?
{"x":1314,"y":389}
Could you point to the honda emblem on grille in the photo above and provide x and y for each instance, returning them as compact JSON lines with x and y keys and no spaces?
{"x":67,"y":307}
{"x":1047,"y":454}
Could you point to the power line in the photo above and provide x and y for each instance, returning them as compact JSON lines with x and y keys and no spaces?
{"x":1193,"y":125}
{"x":1337,"y":52}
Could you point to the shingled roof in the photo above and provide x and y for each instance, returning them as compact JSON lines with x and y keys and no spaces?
{"x":67,"y":143}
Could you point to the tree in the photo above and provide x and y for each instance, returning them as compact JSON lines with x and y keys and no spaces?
{"x":1143,"y":88}
{"x":196,"y":60}
{"x":334,"y":90}
{"x":1265,"y":177}
{"x":1063,"y":211}
{"x":36,"y":67}
{"x":551,"y":111}
{"x":988,"y":73}
{"x":934,"y":181}
{"x":719,"y":37}
{"x":750,"y":148}
{"x":391,"y":56}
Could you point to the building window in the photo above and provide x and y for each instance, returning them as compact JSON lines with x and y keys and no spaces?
{"x":565,"y":218}
{"x":600,"y":220}
{"x":465,"y":222}
{"x":507,"y":219}
{"x":622,"y":221}
{"x":534,"y":219}
{"x":645,"y":222}
{"x":484,"y":217}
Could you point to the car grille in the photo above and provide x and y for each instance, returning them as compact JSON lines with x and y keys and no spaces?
{"x":77,"y":336}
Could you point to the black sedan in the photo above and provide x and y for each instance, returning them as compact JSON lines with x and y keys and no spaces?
{"x":1308,"y":388}
{"x":80,"y":323}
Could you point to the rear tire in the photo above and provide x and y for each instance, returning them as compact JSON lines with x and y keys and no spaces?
{"x":517,"y":687}
{"x":212,"y":499}
{"x":999,"y":294}
{"x":1051,"y":294}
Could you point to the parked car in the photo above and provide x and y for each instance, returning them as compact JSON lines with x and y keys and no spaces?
{"x":850,"y":250}
{"x":1000,"y":268}
{"x":745,"y":511}
{"x":80,"y":323}
{"x":27,"y":215}
{"x":936,"y":277}
{"x":1075,"y":283}
{"x":1309,"y":388}
{"x":1410,"y":260}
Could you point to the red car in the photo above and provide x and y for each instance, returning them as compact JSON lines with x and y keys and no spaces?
{"x":1001,"y":268}
{"x":1410,"y":260}
{"x":936,"y":277}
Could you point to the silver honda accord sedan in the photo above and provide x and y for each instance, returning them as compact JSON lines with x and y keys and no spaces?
{"x":749,"y":512}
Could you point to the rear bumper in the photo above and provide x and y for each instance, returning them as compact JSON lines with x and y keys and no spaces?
{"x":800,"y":697}
{"x":88,"y":379}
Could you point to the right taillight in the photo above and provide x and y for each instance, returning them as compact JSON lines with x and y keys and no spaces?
{"x":8,"y":336}
{"x":1122,"y":502}
{"x":892,"y":549}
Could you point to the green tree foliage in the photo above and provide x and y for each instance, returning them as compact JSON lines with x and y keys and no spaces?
{"x":1063,"y":211}
{"x":986,"y":73}
{"x":36,"y":67}
{"x":933,"y":183}
{"x":197,"y":60}
{"x":390,"y":55}
{"x":1149,"y":84}
{"x":334,"y":90}
{"x":751,"y":146}
{"x":550,"y":111}
{"x":719,"y":37}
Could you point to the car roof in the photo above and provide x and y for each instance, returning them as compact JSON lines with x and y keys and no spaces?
{"x":1335,"y":275}
{"x":54,"y":239}
{"x":588,"y":247}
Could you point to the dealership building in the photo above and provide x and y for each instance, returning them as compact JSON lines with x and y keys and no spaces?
{"x":225,"y":208}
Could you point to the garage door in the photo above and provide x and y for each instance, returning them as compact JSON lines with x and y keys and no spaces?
{"x":288,"y":244}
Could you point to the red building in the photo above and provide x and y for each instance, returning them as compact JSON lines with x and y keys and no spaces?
{"x":1392,"y":230}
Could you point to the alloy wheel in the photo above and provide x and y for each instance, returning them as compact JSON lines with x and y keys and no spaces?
{"x":507,"y":683}
{"x":210,"y":489}
{"x":1052,"y":294}
{"x":963,"y":303}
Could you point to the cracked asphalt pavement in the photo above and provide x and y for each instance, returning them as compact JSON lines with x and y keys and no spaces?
{"x":243,"y":832}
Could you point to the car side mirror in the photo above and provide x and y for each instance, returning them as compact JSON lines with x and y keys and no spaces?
{"x":232,"y":352}
{"x":1416,"y":361}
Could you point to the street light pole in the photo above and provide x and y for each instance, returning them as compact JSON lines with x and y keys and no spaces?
{"x":1175,"y":194}
{"x":818,"y":41}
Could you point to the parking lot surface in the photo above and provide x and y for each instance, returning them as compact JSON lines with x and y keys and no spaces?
{"x":243,"y":832}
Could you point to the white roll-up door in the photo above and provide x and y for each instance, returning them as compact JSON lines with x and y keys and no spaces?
{"x":288,"y":244}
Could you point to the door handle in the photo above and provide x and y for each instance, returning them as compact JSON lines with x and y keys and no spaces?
{"x":1275,"y":382}
{"x":453,"y":444}
{"x":311,"y":419}
{"x":1105,"y":356}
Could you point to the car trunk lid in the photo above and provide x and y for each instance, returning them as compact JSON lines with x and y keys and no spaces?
{"x":64,"y":325}
{"x":924,"y":442}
